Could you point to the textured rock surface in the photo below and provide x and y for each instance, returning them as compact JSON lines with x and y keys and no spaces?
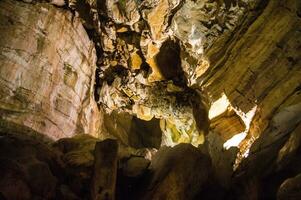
{"x":30,"y":169}
{"x":227,"y":125}
{"x":47,"y":66}
{"x":224,"y":48}
{"x":171,"y":173}
{"x":214,"y":74}
{"x":135,"y":166}
{"x":260,"y":66}
{"x":105,"y":170}
{"x":290,"y":188}
{"x":35,"y":168}
{"x":182,"y":113}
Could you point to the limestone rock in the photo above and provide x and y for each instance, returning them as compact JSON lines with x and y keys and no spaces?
{"x":31,"y":169}
{"x":290,"y":189}
{"x":58,"y":2}
{"x":259,"y":67}
{"x":66,"y":193}
{"x":269,"y":162}
{"x":222,"y":160}
{"x":227,"y":125}
{"x":77,"y":151}
{"x":47,"y":74}
{"x":135,"y":166}
{"x":13,"y":183}
{"x":184,"y":110}
{"x":118,"y":125}
{"x":172,"y":176}
{"x":145,"y":134}
{"x":165,"y":62}
{"x":123,"y":11}
{"x":157,"y":17}
{"x":105,"y":170}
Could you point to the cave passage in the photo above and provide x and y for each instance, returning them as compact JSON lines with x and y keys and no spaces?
{"x":149,"y":100}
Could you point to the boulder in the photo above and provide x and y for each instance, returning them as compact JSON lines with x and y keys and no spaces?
{"x":179,"y":173}
{"x":105,"y":170}
{"x":31,"y":168}
{"x":135,"y":166}
{"x":290,"y":189}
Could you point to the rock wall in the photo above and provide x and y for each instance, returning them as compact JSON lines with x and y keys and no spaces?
{"x":47,"y":68}
{"x":259,"y":67}
{"x":245,"y":53}
{"x":214,"y":74}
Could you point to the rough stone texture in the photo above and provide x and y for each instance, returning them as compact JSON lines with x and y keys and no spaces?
{"x":135,"y":166}
{"x":272,"y":158}
{"x":130,"y":131}
{"x":105,"y":170}
{"x":145,"y":134}
{"x":227,"y":125}
{"x":172,"y":173}
{"x":222,"y":160}
{"x":47,"y":65}
{"x":169,"y":61}
{"x":79,"y":157}
{"x":260,"y":66}
{"x":247,"y":51}
{"x":29,"y":168}
{"x":183,"y":114}
{"x":78,"y":150}
{"x":290,"y":189}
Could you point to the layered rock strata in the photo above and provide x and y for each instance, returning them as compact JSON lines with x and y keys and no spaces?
{"x":47,"y":67}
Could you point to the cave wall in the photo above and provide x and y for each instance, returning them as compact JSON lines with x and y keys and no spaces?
{"x":259,"y":67}
{"x":170,"y":64}
{"x":47,"y":68}
{"x":247,"y":52}
{"x":149,"y":53}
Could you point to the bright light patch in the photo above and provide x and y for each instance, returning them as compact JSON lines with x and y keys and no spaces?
{"x":235,"y":140}
{"x":246,"y":117}
{"x":219,"y":106}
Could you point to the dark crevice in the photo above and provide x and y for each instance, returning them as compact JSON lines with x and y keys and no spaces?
{"x":169,"y":62}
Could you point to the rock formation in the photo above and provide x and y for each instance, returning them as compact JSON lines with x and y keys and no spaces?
{"x":47,"y":71}
{"x":97,"y":98}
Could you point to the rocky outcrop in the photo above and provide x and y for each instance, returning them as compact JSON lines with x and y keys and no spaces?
{"x":47,"y":71}
{"x":227,"y":125}
{"x":81,"y":167}
{"x":259,"y":67}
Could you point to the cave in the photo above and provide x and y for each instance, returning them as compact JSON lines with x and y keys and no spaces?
{"x":150,"y":99}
